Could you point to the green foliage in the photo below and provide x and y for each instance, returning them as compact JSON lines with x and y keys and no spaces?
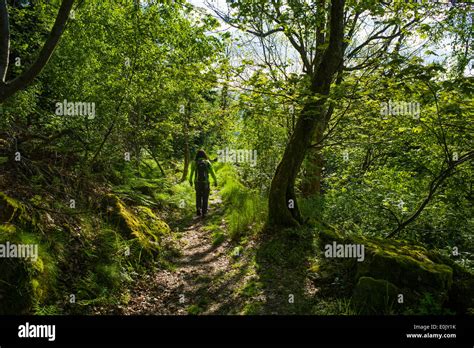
{"x":251,"y":289}
{"x":311,"y":208}
{"x":374,"y":296}
{"x":393,"y":160}
{"x":26,"y":282}
{"x":47,"y":310}
{"x":334,"y":306}
{"x":252,"y":308}
{"x":194,"y":310}
{"x":288,"y":248}
{"x":429,"y":305}
{"x":165,"y":81}
{"x":245,"y":208}
{"x":218,"y":237}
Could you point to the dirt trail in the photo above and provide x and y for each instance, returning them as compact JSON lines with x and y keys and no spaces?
{"x":202,"y":283}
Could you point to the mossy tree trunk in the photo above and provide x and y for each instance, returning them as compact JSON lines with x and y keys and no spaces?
{"x":314,"y":166}
{"x":283,"y":207}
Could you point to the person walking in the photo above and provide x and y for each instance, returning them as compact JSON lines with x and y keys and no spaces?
{"x":201,"y":167}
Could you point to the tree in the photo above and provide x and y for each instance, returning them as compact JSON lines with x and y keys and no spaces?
{"x":332,"y":40}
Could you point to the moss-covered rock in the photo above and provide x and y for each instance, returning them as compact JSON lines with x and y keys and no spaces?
{"x":25,"y":283}
{"x":409,"y":267}
{"x":374,"y":296}
{"x":95,"y":254}
{"x":399,"y":262}
{"x":137,"y":222}
{"x":405,"y":270}
{"x":327,"y":235}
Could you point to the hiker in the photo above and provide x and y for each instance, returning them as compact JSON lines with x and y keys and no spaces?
{"x":200,"y":170}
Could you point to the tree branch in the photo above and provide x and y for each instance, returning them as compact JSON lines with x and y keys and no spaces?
{"x":434,"y":185}
{"x":262,"y":34}
{"x":10,"y":88}
{"x":4,"y":41}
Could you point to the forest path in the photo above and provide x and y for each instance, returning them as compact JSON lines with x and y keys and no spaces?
{"x":203,"y":280}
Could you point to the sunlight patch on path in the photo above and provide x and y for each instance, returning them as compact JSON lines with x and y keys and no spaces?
{"x":204,"y":281}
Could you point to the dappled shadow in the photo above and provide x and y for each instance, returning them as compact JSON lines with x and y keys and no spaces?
{"x":229,"y":300}
{"x":205,"y":278}
{"x":282,"y":260}
{"x":202,"y":290}
{"x":197,"y":260}
{"x":198,"y":245}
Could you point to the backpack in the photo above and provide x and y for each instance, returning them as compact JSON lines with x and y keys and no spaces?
{"x":202,"y":170}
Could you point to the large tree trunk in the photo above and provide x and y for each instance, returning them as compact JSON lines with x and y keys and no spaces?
{"x":283,"y":207}
{"x":311,"y":184}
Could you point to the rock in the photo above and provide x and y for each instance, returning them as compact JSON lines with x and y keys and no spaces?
{"x":407,"y":266}
{"x":24,"y":281}
{"x":401,"y":263}
{"x":405,"y":269}
{"x":374,"y":296}
{"x":138,"y":222}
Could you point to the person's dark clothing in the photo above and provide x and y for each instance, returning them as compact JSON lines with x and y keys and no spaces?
{"x":202,"y":197}
{"x":200,"y":171}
